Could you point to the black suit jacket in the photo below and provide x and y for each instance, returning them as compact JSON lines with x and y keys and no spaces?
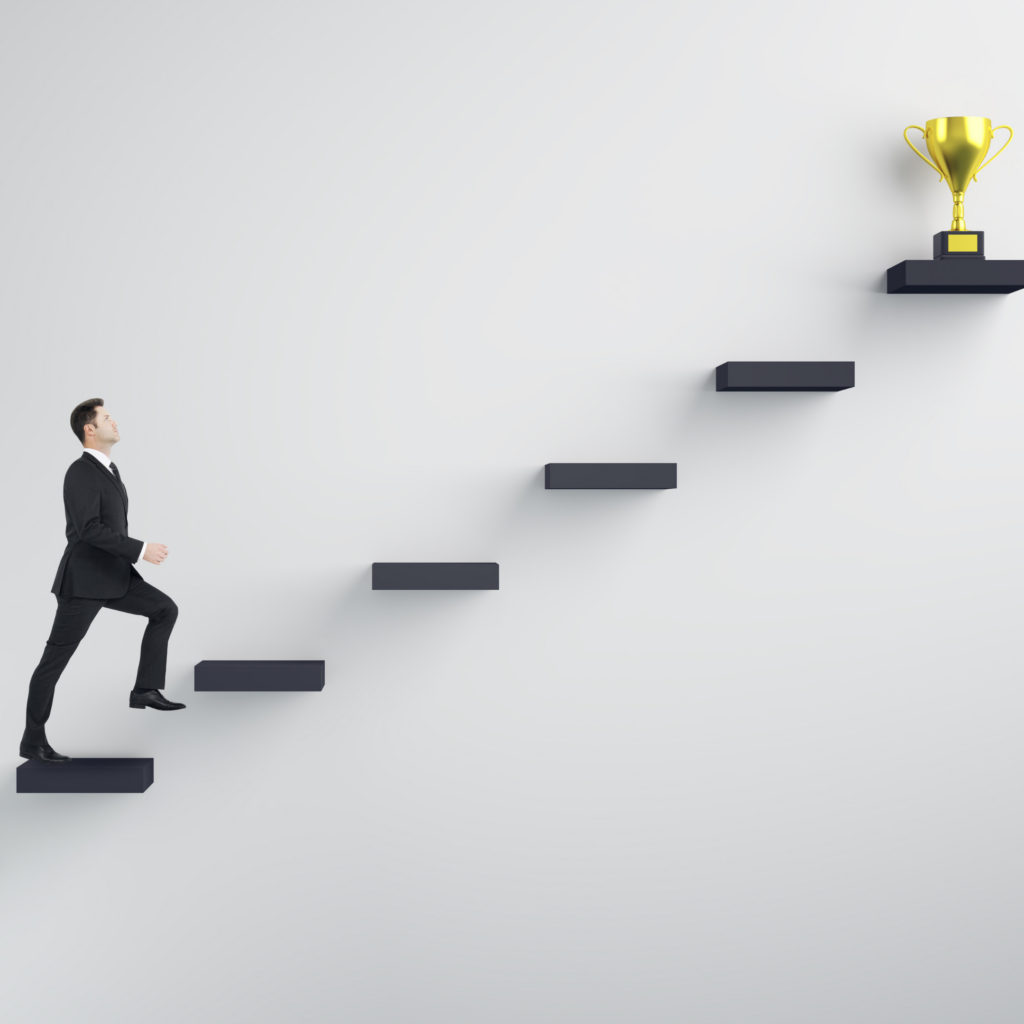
{"x":99,"y":557}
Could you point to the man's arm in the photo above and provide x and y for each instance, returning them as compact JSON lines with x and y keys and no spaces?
{"x":82,"y":500}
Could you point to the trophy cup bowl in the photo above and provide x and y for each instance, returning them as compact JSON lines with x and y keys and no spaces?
{"x":958,"y":146}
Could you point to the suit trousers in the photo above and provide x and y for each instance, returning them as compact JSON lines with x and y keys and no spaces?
{"x":72,"y":622}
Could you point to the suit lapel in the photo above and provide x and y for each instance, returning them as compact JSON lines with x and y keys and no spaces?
{"x":110,"y":476}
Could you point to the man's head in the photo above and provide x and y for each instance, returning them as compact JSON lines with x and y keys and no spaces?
{"x":93,"y":425}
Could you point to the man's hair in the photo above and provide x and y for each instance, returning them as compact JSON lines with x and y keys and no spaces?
{"x":83,"y":413}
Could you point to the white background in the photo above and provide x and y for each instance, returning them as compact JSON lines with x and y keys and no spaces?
{"x":348,"y":274}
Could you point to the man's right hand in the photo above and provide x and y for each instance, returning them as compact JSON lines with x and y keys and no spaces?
{"x":155,"y":553}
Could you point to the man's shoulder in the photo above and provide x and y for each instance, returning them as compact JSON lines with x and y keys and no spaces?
{"x":78,"y":467}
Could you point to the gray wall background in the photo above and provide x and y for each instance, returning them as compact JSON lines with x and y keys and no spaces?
{"x":349,"y":274}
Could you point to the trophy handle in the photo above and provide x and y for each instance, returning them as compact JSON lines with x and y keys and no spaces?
{"x":942,"y":177}
{"x":1005,"y":144}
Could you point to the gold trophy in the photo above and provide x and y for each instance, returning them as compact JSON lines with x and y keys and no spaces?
{"x":958,"y":146}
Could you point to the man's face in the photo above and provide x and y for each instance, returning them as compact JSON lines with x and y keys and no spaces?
{"x":103,"y":428}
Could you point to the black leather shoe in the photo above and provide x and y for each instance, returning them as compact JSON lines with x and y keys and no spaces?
{"x":152,"y":699}
{"x":42,"y":752}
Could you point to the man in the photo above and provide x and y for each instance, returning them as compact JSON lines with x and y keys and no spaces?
{"x":97,"y":571}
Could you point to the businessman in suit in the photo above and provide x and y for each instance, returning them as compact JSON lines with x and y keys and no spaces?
{"x":98,"y":571}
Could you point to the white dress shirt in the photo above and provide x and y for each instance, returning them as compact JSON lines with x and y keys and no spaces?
{"x":105,"y":460}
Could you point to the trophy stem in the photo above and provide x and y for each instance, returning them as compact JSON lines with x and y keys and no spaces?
{"x":959,"y":224}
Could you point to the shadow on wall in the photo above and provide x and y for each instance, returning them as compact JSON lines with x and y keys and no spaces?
{"x":41,"y":822}
{"x":740,"y":428}
{"x":358,"y":619}
{"x":900,"y":326}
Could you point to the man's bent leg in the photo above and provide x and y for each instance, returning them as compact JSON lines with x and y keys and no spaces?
{"x":162,"y":612}
{"x":71,"y":623}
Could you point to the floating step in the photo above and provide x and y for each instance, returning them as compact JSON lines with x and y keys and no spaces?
{"x":779,"y":376}
{"x":955,"y":277}
{"x":259,"y":675}
{"x":435,"y":575}
{"x":87,"y":775}
{"x":656,"y":476}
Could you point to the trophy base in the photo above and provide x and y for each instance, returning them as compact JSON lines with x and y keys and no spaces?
{"x":951,"y":277}
{"x":958,"y":245}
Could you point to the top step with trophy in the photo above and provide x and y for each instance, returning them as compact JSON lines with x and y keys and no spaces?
{"x":958,"y":146}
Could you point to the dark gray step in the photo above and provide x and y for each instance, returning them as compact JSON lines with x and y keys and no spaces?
{"x":259,"y":675}
{"x":609,"y":475}
{"x":87,"y":775}
{"x":955,"y":277}
{"x":435,"y":575}
{"x":783,"y":376}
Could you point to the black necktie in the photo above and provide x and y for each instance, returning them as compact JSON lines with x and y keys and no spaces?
{"x":117,"y":477}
